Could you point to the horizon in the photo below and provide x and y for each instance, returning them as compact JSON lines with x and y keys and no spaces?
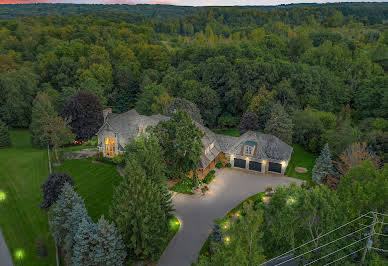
{"x":188,"y":3}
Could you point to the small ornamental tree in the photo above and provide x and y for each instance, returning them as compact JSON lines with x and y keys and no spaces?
{"x":249,"y":121}
{"x":52,"y":188}
{"x":323,"y":166}
{"x":41,"y":108}
{"x":138,"y":210}
{"x":5,"y":140}
{"x":57,"y":132}
{"x":83,"y":244}
{"x":85,"y":112}
{"x":109,"y":248}
{"x":279,"y":124}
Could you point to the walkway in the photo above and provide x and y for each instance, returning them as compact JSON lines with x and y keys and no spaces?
{"x":197,"y":213}
{"x":5,"y":256}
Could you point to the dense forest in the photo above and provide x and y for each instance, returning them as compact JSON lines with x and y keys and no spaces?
{"x":326,"y":65}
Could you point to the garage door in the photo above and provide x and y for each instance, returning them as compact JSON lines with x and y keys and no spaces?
{"x":239,"y":163}
{"x":275,"y":167}
{"x":255,"y":166}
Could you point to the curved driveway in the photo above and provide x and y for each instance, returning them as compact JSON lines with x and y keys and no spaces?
{"x":197,"y":213}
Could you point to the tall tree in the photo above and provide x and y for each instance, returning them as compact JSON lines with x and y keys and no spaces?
{"x":41,"y":108}
{"x":279,"y":124}
{"x":249,"y":121}
{"x":181,"y":141}
{"x":84,"y":241}
{"x":52,"y":188}
{"x":85,"y":111}
{"x":5,"y":140}
{"x":109,"y":248}
{"x":179,"y":104}
{"x":138,"y":211}
{"x":323,"y":166}
{"x":56,"y":132}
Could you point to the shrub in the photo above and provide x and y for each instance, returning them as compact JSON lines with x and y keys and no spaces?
{"x":52,"y":188}
{"x":209,"y":177}
{"x":227,"y":121}
{"x":119,"y":159}
{"x":219,"y":165}
{"x":41,"y":248}
{"x":91,"y":142}
{"x":184,"y":186}
{"x":99,"y":157}
{"x":228,"y":165}
{"x":204,"y":189}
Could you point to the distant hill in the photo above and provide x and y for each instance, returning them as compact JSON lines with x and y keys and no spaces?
{"x":157,"y":12}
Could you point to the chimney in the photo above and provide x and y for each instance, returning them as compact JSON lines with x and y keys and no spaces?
{"x":106,"y":112}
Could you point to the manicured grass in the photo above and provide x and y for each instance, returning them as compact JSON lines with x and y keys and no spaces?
{"x":23,"y":170}
{"x":302,"y":158}
{"x":78,"y":148}
{"x":94,"y":182}
{"x":229,"y":132}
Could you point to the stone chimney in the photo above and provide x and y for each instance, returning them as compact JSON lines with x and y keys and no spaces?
{"x":106,"y":112}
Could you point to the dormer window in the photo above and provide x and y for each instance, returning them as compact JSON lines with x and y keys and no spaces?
{"x":249,"y":148}
{"x":212,"y":146}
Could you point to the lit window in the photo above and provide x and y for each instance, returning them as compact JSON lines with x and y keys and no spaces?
{"x":212,"y":145}
{"x":110,"y":147}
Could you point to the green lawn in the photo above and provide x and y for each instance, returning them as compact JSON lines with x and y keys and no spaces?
{"x":230,"y":132}
{"x":302,"y":158}
{"x":94,"y":182}
{"x":23,"y":170}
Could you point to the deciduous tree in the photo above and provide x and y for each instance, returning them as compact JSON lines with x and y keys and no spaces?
{"x":5,"y":139}
{"x":249,"y":121}
{"x":52,"y":188}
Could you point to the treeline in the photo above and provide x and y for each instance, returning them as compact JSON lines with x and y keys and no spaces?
{"x":224,"y":60}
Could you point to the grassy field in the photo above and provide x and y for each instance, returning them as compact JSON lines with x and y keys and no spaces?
{"x":23,"y":170}
{"x":230,"y":132}
{"x":94,"y":182}
{"x":302,"y":158}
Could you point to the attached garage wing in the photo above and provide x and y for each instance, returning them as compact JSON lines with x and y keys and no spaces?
{"x":240,"y":163}
{"x":275,"y":167}
{"x":255,"y":166}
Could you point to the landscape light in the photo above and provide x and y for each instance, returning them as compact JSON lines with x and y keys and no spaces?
{"x":19,"y":254}
{"x":177,"y":222}
{"x":227,"y":239}
{"x":290,"y":200}
{"x":2,"y":195}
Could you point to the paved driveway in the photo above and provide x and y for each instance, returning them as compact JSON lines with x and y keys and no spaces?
{"x":5,"y":256}
{"x":197,"y":213}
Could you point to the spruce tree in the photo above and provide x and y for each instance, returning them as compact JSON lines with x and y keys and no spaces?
{"x":84,"y":242}
{"x":77,"y":215}
{"x":109,"y":248}
{"x":41,"y":108}
{"x":139,"y":212}
{"x":5,"y":140}
{"x":279,"y":124}
{"x":323,"y":166}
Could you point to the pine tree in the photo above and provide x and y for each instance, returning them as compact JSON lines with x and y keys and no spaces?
{"x":323,"y":166}
{"x":109,"y":248}
{"x":138,"y":210}
{"x":41,"y":108}
{"x":84,"y":242}
{"x":5,"y":140}
{"x":279,"y":124}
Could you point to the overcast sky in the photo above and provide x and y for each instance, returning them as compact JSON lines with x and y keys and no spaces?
{"x":179,"y":2}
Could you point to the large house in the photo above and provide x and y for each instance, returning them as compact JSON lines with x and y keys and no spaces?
{"x":253,"y":151}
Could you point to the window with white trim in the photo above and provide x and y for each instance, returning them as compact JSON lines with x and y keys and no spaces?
{"x":248,"y":150}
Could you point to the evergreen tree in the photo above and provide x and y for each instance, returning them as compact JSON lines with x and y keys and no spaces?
{"x":138,"y":210}
{"x":323,"y":166}
{"x":5,"y":140}
{"x":279,"y":124}
{"x":147,"y":151}
{"x":109,"y":248}
{"x":77,"y":215}
{"x":41,"y":107}
{"x":84,"y":242}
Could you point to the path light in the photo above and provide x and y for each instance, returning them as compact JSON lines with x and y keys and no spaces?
{"x":2,"y":195}
{"x":291,"y":200}
{"x":227,"y":239}
{"x":20,"y":254}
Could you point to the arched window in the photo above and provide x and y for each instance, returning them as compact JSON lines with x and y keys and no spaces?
{"x":110,"y":147}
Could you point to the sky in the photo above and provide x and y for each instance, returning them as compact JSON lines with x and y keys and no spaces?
{"x":181,"y":2}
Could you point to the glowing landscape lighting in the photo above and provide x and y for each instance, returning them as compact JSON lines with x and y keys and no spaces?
{"x":19,"y":254}
{"x":2,"y":195}
{"x":227,"y":239}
